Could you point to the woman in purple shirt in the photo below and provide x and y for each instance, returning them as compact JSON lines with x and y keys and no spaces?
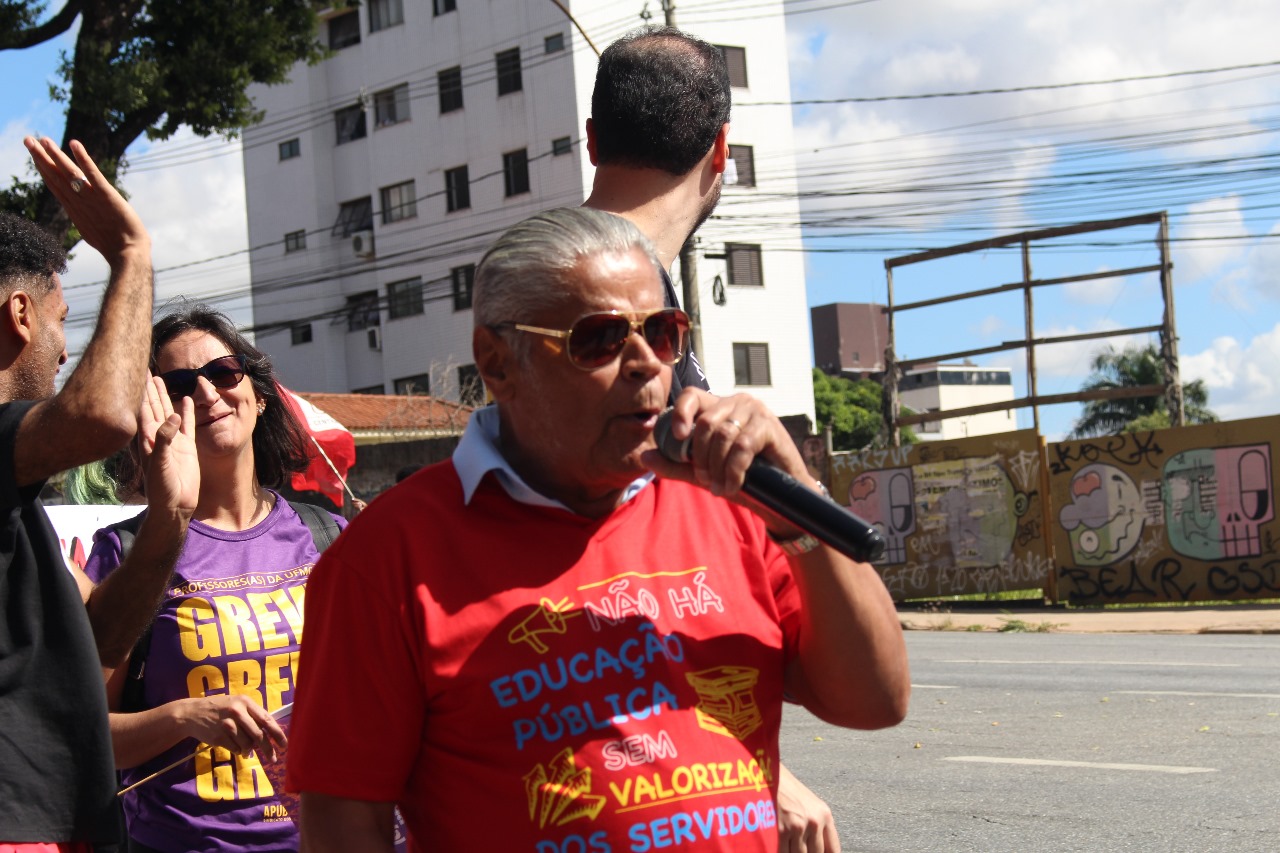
{"x":221,"y":658}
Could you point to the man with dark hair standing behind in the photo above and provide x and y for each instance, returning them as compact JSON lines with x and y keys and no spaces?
{"x":58,"y":634}
{"x":658,"y":137}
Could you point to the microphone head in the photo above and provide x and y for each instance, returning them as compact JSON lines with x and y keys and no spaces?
{"x":670,"y":446}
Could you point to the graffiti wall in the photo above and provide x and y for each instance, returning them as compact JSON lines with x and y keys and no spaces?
{"x":960,"y":517}
{"x":1183,"y":514}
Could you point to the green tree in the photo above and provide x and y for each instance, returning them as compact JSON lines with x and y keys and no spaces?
{"x":1128,"y":368}
{"x":853,"y":408}
{"x":153,"y":66}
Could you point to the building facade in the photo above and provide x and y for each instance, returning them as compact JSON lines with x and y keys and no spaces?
{"x":941,"y":387}
{"x":850,"y":339}
{"x":378,"y":177}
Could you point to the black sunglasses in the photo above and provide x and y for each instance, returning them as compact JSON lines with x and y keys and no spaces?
{"x":224,"y":372}
{"x":595,"y":340}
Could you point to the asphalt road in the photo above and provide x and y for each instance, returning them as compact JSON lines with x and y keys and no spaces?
{"x":1057,"y":742}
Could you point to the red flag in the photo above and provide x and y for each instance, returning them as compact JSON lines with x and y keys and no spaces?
{"x":328,"y":439}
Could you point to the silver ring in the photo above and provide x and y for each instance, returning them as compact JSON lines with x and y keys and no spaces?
{"x":76,"y":184}
{"x":735,"y":423}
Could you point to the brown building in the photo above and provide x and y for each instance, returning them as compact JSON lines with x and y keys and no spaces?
{"x":849,"y":338}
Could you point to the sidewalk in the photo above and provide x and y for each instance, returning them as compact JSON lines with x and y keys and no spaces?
{"x":1031,"y":616}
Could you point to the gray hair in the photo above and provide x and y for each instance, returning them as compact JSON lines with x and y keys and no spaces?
{"x":524,"y":271}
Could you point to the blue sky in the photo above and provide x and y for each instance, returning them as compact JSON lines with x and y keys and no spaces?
{"x":885,"y":178}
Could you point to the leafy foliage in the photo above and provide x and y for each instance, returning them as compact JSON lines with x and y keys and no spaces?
{"x":855,"y":410}
{"x":1128,"y":368}
{"x":153,"y":66}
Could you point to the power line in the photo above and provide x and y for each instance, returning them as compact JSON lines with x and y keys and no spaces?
{"x":1009,"y":90}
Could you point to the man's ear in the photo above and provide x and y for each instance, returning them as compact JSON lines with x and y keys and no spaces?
{"x":720,"y":150}
{"x":19,"y":316}
{"x":591,"y":142}
{"x":495,"y":362}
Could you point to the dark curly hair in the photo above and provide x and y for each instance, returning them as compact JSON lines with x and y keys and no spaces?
{"x":280,"y":445}
{"x":29,"y":255}
{"x":660,"y":98}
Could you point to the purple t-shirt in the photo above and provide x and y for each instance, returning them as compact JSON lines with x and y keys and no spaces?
{"x":230,"y":621}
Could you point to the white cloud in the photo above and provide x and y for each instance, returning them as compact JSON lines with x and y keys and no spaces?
{"x":1242,"y":379}
{"x":1263,"y":268}
{"x":1204,"y":226}
{"x":989,"y":327}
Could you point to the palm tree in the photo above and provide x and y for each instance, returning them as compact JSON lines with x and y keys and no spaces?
{"x":1129,"y":368}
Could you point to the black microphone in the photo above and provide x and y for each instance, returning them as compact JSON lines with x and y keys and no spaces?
{"x":791,"y":499}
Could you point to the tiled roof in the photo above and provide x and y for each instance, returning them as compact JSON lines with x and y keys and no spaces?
{"x":377,"y":416}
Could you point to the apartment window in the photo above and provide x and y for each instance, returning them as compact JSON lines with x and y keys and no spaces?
{"x":449,"y":82}
{"x":509,"y":79}
{"x":349,"y":124}
{"x":439,"y":7}
{"x":744,"y":166}
{"x":385,"y":13}
{"x":300,"y":333}
{"x":515,"y":172}
{"x":470,"y":386}
{"x":554,"y":43}
{"x":457,"y":189}
{"x":391,"y":106}
{"x":751,"y":364}
{"x":362,"y":311}
{"x":290,"y":148}
{"x":344,"y":30}
{"x":376,"y":390}
{"x":744,"y":264}
{"x":418,"y":383}
{"x":736,"y":59}
{"x":463,"y":278}
{"x":563,"y":145}
{"x":295,"y":241}
{"x":353,"y":216}
{"x":399,"y":201}
{"x":404,"y":298}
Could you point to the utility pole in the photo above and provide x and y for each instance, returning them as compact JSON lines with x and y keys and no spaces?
{"x":688,"y":252}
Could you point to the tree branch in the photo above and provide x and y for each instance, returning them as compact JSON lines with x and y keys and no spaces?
{"x":52,"y":28}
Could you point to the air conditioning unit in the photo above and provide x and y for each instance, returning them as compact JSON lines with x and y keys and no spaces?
{"x":362,"y":245}
{"x":375,"y":338}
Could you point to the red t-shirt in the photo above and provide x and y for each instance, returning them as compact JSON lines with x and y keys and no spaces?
{"x":523,"y":678}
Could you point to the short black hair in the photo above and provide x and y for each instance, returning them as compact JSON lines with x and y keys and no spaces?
{"x":280,"y":445}
{"x":28,"y":254}
{"x":661,"y":97}
{"x":407,"y":471}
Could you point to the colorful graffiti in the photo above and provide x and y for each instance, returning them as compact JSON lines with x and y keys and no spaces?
{"x":1184,"y":514}
{"x":959,"y":516}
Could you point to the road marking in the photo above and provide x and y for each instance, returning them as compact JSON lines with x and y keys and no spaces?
{"x":935,"y":687}
{"x":1090,"y":662}
{"x":1193,"y":693}
{"x":1093,"y":765}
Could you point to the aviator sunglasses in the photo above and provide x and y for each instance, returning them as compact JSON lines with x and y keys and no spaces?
{"x":224,"y":372}
{"x":595,"y":340}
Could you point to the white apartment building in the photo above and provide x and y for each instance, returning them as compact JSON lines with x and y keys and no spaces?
{"x":378,"y":177}
{"x":941,"y":387}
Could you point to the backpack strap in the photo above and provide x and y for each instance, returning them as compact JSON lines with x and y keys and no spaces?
{"x":321,"y":524}
{"x":323,"y":531}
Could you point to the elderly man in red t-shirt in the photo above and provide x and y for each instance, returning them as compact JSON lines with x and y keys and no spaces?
{"x":541,"y":645}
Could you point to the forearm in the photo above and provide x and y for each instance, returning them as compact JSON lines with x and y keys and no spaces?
{"x":106,"y":385}
{"x":142,"y":736}
{"x":852,"y":665}
{"x":122,"y":605}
